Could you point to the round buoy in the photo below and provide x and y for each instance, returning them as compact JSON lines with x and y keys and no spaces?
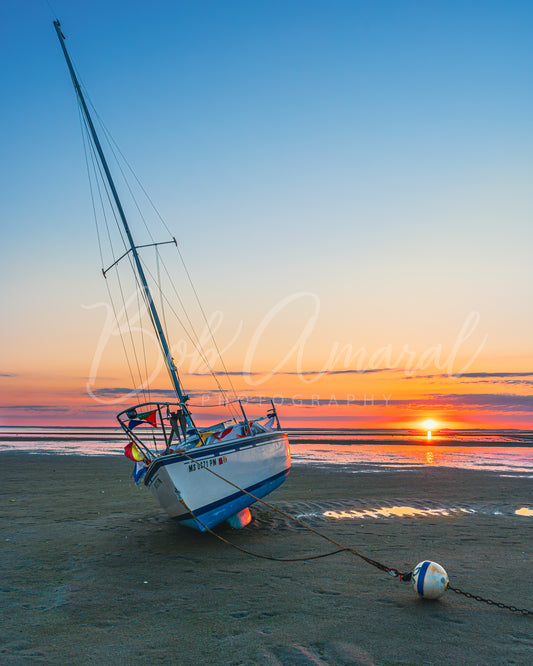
{"x":429,"y":580}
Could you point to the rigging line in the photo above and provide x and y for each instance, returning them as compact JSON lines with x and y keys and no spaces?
{"x":121,"y":336}
{"x":88,"y":99}
{"x":150,"y":313}
{"x":228,"y":376}
{"x":199,"y":347}
{"x":147,"y":270}
{"x":116,"y":319}
{"x":93,"y":148}
{"x":87,"y":141}
{"x":109,"y":198}
{"x":90,"y":187}
{"x":126,"y":181}
{"x":142,"y":380}
{"x":130,"y":332}
{"x":101,"y":181}
{"x":54,"y":14}
{"x":163,"y":311}
{"x":98,"y":235}
{"x":195,"y":335}
{"x":139,"y":289}
{"x":196,"y":341}
{"x":120,"y":286}
{"x":118,"y":227}
{"x":111,"y":141}
{"x":143,"y":347}
{"x":139,"y":183}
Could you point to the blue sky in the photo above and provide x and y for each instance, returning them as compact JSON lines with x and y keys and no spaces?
{"x":377,"y":154}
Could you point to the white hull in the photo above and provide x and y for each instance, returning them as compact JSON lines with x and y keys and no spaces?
{"x":257,"y":464}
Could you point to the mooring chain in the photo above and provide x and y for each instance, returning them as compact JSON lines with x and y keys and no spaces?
{"x":340,"y":547}
{"x":395,"y":573}
{"x":490,"y":602}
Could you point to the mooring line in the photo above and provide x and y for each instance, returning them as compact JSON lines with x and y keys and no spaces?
{"x":341,"y":547}
{"x":392,"y":571}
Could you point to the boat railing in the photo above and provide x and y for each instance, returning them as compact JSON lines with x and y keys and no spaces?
{"x":159,"y":428}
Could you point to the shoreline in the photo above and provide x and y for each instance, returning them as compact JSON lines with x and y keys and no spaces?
{"x":421,"y":441}
{"x":94,"y":571}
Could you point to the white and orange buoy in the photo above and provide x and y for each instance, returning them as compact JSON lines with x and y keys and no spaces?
{"x":429,"y":580}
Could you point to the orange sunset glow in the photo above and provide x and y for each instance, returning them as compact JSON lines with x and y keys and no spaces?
{"x":382,"y":397}
{"x":358,"y":235}
{"x":83,"y":378}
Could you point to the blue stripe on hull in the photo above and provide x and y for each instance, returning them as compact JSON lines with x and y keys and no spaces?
{"x":217,"y":512}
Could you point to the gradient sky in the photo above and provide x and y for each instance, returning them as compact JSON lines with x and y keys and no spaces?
{"x":358,"y":172}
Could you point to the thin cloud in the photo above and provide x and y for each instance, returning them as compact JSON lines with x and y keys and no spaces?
{"x":303,"y":373}
{"x":480,"y":401}
{"x":488,"y":375}
{"x":499,"y":402}
{"x":37,"y":408}
{"x":483,"y":376}
{"x":522,"y":382}
{"x":118,"y":391}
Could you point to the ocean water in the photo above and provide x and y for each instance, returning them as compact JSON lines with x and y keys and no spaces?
{"x":503,"y":451}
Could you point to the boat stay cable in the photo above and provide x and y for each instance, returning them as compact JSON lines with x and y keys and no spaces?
{"x":113,"y":145}
{"x":98,"y":181}
{"x":189,"y":330}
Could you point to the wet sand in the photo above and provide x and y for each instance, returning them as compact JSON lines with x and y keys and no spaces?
{"x":94,"y":572}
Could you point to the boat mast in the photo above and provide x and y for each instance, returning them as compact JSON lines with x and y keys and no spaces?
{"x":152,"y":309}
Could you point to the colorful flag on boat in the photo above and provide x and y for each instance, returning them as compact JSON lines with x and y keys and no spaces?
{"x":139,"y":471}
{"x":223,"y":433}
{"x":132,"y":452}
{"x":141,"y":419}
{"x":203,"y":437}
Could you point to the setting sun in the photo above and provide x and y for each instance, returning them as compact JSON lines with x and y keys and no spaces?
{"x":429,"y":425}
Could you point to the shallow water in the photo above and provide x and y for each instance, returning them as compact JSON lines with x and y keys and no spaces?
{"x":504,"y":451}
{"x":378,"y":457}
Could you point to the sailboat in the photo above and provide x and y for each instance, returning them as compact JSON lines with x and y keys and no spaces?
{"x":201,"y":476}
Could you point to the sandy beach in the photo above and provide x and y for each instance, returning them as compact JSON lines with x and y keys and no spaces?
{"x":94,"y":572}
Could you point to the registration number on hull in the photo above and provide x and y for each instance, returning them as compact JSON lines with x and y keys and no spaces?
{"x":211,"y":462}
